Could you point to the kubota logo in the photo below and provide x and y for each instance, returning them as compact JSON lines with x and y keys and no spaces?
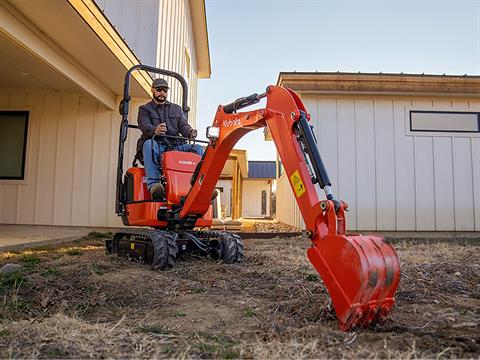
{"x":231,"y":122}
{"x":186,"y":162}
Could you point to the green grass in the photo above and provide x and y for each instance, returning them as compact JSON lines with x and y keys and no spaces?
{"x":249,"y":312}
{"x":55,"y":353}
{"x":9,"y":281}
{"x":154,"y":329}
{"x":222,"y":347}
{"x":311,"y":277}
{"x":74,"y":252}
{"x":100,"y":235}
{"x":4,"y":333}
{"x":179,"y":314}
{"x":50,"y":272}
{"x":30,"y":260}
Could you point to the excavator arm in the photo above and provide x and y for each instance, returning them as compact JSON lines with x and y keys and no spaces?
{"x":361,"y":273}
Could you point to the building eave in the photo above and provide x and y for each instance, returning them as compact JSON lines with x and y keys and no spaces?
{"x":200,"y":33}
{"x":381,"y":84}
{"x":73,"y":42}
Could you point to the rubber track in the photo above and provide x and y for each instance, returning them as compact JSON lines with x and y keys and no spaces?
{"x":232,"y":249}
{"x":164,"y":246}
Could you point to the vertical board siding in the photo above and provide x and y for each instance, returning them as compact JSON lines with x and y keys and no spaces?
{"x":476,"y":181}
{"x":46,"y":159}
{"x":252,"y":198}
{"x":65,"y":159}
{"x":136,"y":22}
{"x":463,"y":187}
{"x":365,"y":157}
{"x":444,"y":194}
{"x":158,"y":31}
{"x":385,"y":165}
{"x":72,"y":148}
{"x":347,"y":164}
{"x":394,"y":179}
{"x":27,"y":192}
{"x":82,"y":161}
{"x":225,"y":195}
{"x":404,"y":169}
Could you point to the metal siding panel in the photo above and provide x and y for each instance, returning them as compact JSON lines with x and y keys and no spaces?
{"x":424,"y":183}
{"x":365,"y":159}
{"x":404,"y":169}
{"x":47,"y":159}
{"x":385,"y":165}
{"x":443,"y":167}
{"x":346,"y":159}
{"x":82,"y":162}
{"x":463,"y":187}
{"x":476,"y":181}
{"x":64,"y":160}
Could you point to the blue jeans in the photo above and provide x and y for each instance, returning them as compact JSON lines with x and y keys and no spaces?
{"x":152,"y":164}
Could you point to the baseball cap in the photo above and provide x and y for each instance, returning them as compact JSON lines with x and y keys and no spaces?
{"x":160,"y":83}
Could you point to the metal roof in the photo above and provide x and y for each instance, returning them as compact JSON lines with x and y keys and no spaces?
{"x":261,"y":170}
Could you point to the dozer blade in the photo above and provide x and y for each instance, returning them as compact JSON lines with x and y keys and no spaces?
{"x":361,"y":274}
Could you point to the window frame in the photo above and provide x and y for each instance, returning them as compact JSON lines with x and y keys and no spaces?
{"x":22,"y":178}
{"x":413,"y":131}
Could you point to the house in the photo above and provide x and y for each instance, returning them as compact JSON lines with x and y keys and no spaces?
{"x":402,"y":150}
{"x":255,"y":183}
{"x":258,"y":188}
{"x":63,"y":65}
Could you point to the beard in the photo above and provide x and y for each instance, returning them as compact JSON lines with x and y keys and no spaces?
{"x":160,"y":98}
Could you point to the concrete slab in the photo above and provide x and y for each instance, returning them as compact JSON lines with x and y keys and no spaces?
{"x":14,"y":237}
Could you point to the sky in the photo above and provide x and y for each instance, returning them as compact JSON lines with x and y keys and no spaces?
{"x":251,"y":42}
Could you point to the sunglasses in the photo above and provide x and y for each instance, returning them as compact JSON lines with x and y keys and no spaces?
{"x":162,"y":88}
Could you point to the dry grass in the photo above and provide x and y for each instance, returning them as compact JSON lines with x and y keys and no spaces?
{"x":74,"y":301}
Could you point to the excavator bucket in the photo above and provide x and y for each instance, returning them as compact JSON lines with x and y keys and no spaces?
{"x":361,"y":274}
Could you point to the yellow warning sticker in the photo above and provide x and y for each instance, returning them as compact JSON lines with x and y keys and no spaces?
{"x":297,"y":184}
{"x":132,"y":246}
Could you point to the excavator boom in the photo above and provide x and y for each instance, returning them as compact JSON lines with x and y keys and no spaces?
{"x":361,"y":273}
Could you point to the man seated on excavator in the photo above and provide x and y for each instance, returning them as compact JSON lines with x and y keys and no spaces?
{"x":161,"y":117}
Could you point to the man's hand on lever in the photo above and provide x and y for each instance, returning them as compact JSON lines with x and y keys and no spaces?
{"x":193,"y":134}
{"x":161,"y":129}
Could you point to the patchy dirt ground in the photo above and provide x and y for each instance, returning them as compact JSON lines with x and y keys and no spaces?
{"x":73,"y":301}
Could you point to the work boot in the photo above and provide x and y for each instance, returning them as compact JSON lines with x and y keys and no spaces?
{"x":157,"y":191}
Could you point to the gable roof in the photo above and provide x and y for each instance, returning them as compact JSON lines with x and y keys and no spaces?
{"x":261,"y":170}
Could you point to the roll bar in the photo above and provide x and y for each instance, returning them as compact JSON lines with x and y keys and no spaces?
{"x":124,"y":108}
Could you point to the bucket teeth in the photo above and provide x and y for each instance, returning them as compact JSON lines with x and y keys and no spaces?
{"x":361,"y":274}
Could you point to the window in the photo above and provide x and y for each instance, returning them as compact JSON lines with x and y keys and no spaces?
{"x":445,"y":121}
{"x":264,"y":202}
{"x":13,"y":141}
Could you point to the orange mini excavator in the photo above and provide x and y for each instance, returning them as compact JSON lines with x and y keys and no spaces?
{"x":361,"y":273}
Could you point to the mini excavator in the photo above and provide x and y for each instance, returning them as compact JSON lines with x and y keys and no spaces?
{"x":361,"y":273}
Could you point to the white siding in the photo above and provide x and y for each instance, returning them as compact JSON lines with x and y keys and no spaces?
{"x":72,"y":147}
{"x":225,"y":195}
{"x":160,"y":33}
{"x":287,"y":210}
{"x":252,"y":198}
{"x":393,"y":179}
